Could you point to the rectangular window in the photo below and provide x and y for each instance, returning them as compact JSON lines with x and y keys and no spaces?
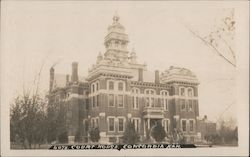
{"x":93,"y":100}
{"x":183,"y":106}
{"x":120,"y":100}
{"x":147,"y":102}
{"x":190,"y":105}
{"x":97,"y":100}
{"x":191,"y":125}
{"x":184,"y":125}
{"x":190,"y":92}
{"x":93,"y":88}
{"x":87,"y":104}
{"x":97,"y":122}
{"x":111,"y":100}
{"x":120,"y":124}
{"x":166,"y":104}
{"x":182,"y":91}
{"x":136,"y":123}
{"x":162,"y":102}
{"x":135,"y":102}
{"x":152,"y":102}
{"x":111,"y":85}
{"x":111,"y":123}
{"x":97,"y":86}
{"x":93,"y":122}
{"x":120,"y":86}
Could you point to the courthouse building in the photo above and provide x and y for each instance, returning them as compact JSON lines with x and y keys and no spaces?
{"x":118,"y":89}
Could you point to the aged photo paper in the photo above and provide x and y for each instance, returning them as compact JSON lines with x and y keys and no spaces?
{"x":124,"y":78}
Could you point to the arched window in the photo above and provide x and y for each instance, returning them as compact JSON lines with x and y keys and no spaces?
{"x":135,"y":91}
{"x":150,"y":92}
{"x":164,"y":93}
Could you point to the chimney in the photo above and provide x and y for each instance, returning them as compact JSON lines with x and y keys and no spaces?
{"x":140,"y":74}
{"x":67,"y":79}
{"x":52,"y":76}
{"x":74,"y":76}
{"x":157,"y":76}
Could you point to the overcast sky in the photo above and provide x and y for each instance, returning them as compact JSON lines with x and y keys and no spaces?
{"x":37,"y":32}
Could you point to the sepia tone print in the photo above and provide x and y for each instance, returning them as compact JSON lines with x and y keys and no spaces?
{"x":108,"y":77}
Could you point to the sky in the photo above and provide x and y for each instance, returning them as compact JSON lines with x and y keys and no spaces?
{"x":43,"y":33}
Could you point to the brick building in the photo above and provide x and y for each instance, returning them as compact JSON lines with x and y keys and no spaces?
{"x":119,"y":89}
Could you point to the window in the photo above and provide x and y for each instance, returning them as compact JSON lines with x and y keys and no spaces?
{"x":93,"y":101}
{"x":164,"y":93}
{"x":166,"y":104}
{"x":183,"y":106}
{"x":136,"y":91}
{"x":165,"y":124}
{"x":147,"y":102}
{"x":111,"y":85}
{"x":184,"y":125}
{"x":190,"y":92}
{"x":191,"y":125}
{"x":120,"y":86}
{"x":135,"y":102}
{"x":87,"y":104}
{"x":152,"y":103}
{"x":136,"y":122}
{"x":190,"y":105}
{"x":97,"y":100}
{"x":93,"y":122}
{"x":182,"y":91}
{"x":111,"y":124}
{"x":97,"y":122}
{"x":120,"y":100}
{"x":97,"y":86}
{"x":111,"y":100}
{"x":120,"y":124}
{"x":93,"y":88}
{"x":150,"y":91}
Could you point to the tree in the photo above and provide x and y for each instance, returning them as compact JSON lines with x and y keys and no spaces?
{"x":228,"y":132}
{"x":130,"y":136}
{"x":28,"y":120}
{"x":57,"y":125}
{"x":158,"y":132}
{"x":94,"y":134}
